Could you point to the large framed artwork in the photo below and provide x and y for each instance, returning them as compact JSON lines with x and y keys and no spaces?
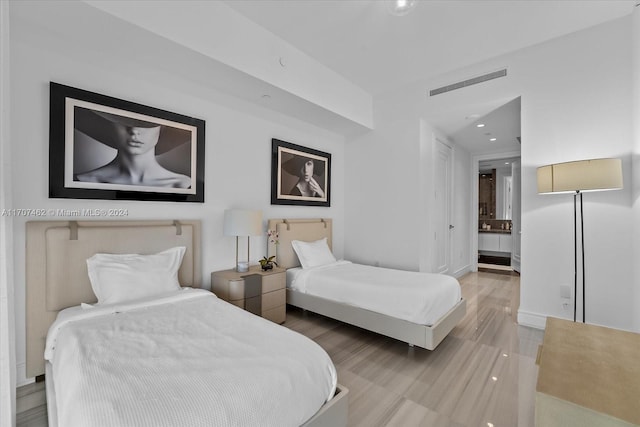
{"x":299,"y":175}
{"x":102,"y":147}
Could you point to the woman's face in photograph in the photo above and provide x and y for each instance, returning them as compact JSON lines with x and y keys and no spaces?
{"x":307,"y":170}
{"x":136,"y":140}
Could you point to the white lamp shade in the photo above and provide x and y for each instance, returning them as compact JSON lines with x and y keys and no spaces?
{"x":583,"y":175}
{"x":240,"y":222}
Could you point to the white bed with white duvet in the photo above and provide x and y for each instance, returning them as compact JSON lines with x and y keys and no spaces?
{"x":418,"y":308}
{"x":171,"y":361}
{"x":420,"y":298}
{"x":115,"y":321}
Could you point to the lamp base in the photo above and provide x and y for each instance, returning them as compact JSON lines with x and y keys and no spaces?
{"x":242,"y":267}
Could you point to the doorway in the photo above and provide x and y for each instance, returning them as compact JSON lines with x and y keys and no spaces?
{"x":498,"y":212}
{"x":495,"y":143}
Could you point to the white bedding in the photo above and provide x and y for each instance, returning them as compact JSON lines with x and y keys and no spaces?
{"x":186,"y":359}
{"x":420,"y":298}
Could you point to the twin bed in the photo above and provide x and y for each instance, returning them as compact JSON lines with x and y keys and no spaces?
{"x":418,"y":308}
{"x":178,"y":355}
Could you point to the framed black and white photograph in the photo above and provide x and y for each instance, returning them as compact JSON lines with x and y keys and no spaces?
{"x":299,"y":175}
{"x":102,"y":147}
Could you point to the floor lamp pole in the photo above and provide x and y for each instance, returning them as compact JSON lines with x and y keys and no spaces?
{"x":575,"y":254}
{"x":584,"y":307}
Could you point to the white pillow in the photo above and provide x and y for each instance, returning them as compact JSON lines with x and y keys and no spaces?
{"x":313,"y":254}
{"x":117,"y":278}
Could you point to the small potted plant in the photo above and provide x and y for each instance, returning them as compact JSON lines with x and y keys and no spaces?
{"x":267,"y":263}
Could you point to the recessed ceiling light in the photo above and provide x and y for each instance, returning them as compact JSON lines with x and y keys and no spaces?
{"x":401,"y":7}
{"x":506,"y":163}
{"x":492,"y":139}
{"x":480,"y":125}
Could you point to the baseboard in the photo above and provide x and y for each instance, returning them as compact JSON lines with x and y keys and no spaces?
{"x":21,"y":375}
{"x":462,"y":271}
{"x":532,"y":320}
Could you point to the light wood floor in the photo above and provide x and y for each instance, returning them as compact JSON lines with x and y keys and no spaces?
{"x":482,"y":374}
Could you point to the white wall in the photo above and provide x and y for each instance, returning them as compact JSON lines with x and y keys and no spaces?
{"x":390,"y":194}
{"x":238,"y":135}
{"x":576,"y":104}
{"x":7,"y":316}
{"x":383,"y":195}
{"x":636,"y":161}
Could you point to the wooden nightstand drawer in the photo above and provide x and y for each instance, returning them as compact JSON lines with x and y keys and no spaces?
{"x":252,"y":285}
{"x":253,"y":305}
{"x":273,"y":282}
{"x":274,"y":299}
{"x":259,"y":292}
{"x":235,"y":290}
{"x":277,"y":314}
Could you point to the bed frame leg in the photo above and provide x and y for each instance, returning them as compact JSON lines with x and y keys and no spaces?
{"x":411,"y":350}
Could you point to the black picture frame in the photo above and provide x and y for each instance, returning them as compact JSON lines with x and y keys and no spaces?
{"x":89,"y":149}
{"x":289,"y":162}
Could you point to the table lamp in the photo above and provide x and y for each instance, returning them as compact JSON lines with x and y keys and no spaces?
{"x":242,"y":222}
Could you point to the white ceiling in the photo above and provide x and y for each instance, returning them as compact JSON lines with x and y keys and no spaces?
{"x":503,"y":124}
{"x":380,"y":52}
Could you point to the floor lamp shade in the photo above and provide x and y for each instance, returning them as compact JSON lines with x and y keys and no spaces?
{"x":583,"y":175}
{"x":240,"y":223}
{"x":578,"y":177}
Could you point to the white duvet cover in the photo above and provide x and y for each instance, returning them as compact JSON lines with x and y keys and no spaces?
{"x":421,"y":298}
{"x":186,"y":359}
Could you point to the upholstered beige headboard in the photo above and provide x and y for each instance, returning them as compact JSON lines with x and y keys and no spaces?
{"x":56,"y":268}
{"x":307,"y":230}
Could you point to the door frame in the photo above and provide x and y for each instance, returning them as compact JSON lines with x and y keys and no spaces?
{"x":475,"y":182}
{"x":516,"y":233}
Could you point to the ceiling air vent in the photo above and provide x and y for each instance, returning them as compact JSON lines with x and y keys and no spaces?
{"x":469,"y":82}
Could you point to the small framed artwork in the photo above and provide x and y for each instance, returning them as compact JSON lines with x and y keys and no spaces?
{"x":299,"y":175}
{"x":102,"y":147}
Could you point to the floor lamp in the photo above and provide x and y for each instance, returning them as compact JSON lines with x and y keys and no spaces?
{"x":239,"y":222}
{"x":578,"y":177}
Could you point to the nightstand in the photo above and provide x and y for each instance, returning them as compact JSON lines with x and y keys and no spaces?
{"x":259,"y":292}
{"x":588,"y":376}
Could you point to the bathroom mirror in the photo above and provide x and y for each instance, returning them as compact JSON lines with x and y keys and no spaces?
{"x":494,"y":191}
